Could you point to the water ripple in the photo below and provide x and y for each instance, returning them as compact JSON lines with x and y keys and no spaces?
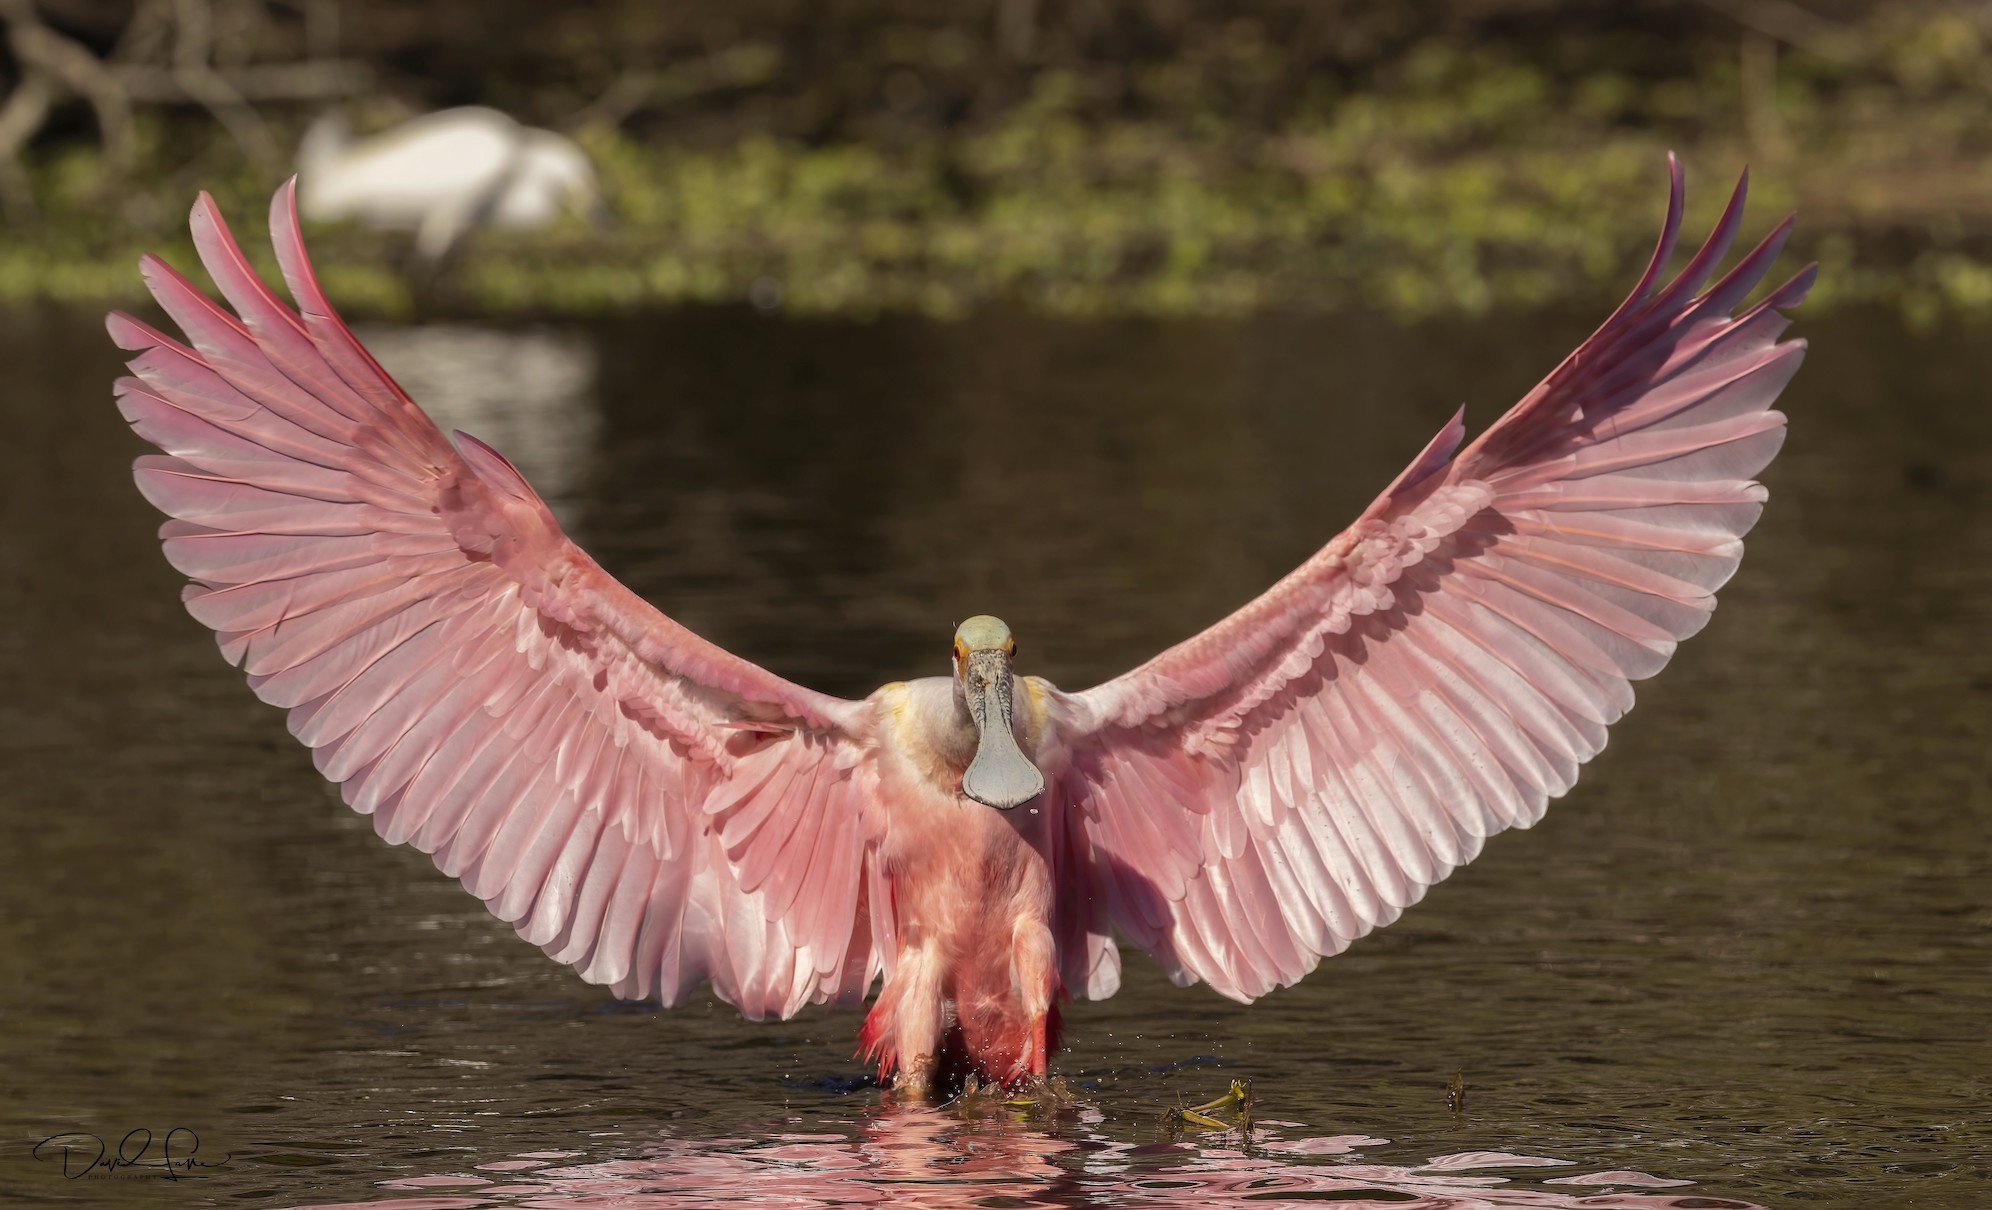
{"x":918,"y":1157}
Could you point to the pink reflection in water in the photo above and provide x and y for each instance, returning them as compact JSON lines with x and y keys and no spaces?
{"x":915,"y":1158}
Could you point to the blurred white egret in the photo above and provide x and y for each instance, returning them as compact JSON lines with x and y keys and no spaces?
{"x":443,"y":174}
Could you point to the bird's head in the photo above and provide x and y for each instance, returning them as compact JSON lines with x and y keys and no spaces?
{"x":556,"y":168}
{"x":1000,"y":775}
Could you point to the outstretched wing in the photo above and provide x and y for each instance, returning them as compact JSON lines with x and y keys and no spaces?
{"x":1258,"y":797}
{"x":638,"y":802}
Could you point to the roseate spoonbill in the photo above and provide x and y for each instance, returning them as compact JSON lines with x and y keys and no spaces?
{"x":657,"y":812}
{"x":442,"y":174}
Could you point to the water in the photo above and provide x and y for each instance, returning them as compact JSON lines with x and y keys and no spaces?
{"x":1750,"y":952}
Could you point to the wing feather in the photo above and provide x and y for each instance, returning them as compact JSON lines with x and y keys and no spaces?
{"x":471,"y":679}
{"x":1443,"y":668}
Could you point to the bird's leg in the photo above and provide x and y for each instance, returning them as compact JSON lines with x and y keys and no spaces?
{"x":916,"y":1022}
{"x":1034,"y":976}
{"x":440,"y":231}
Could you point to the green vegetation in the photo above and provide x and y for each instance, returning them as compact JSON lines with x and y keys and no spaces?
{"x":1472,"y":168}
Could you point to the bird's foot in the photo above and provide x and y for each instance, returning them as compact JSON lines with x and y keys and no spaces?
{"x":1194,"y":1119}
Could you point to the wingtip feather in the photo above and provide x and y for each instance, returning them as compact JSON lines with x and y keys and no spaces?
{"x":1794,"y":291}
{"x":129,"y":333}
{"x":1717,"y":245}
{"x":204,"y":210}
{"x":1670,"y":231}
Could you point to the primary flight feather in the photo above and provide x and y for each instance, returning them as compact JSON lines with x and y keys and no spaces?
{"x":658,"y":813}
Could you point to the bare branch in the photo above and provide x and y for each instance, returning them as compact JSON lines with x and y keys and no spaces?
{"x":321,"y":26}
{"x":635,"y":91}
{"x":1757,"y":72}
{"x":1016,"y":28}
{"x":1785,"y":22}
{"x":194,"y":70}
{"x":22,"y":115}
{"x":69,"y":63}
{"x":145,"y":37}
{"x":322,"y":80}
{"x":165,"y":55}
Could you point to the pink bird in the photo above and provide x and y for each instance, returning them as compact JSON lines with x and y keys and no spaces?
{"x":658,"y":813}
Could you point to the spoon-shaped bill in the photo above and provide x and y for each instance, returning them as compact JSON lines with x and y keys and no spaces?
{"x":1000,"y":775}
